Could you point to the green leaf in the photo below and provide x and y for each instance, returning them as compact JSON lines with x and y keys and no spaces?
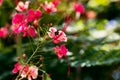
{"x":46,"y":77}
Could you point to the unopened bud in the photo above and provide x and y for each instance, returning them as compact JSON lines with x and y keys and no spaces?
{"x":18,"y":57}
{"x":35,"y":23}
{"x":41,"y":5}
{"x":41,"y":65}
{"x":41,"y":58}
{"x":24,"y":55}
{"x":46,"y":37}
{"x":43,"y":24}
{"x":51,"y":24}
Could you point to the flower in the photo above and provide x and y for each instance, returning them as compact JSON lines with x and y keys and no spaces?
{"x":22,"y":7}
{"x":21,"y":23}
{"x":17,"y":68}
{"x":3,"y":32}
{"x":52,"y":32}
{"x":25,"y":71}
{"x":30,"y":72}
{"x":18,"y":18}
{"x":33,"y":15}
{"x":56,"y":2}
{"x":49,"y":7}
{"x":38,"y":13}
{"x":61,"y":51}
{"x":60,"y":37}
{"x":1,"y":1}
{"x":33,"y":72}
{"x":18,"y":22}
{"x":29,"y":31}
{"x":78,"y":7}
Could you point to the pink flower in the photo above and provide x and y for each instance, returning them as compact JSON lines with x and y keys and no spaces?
{"x":33,"y":15}
{"x":30,"y":72}
{"x":18,"y":28}
{"x":60,"y":37}
{"x":21,"y":23}
{"x":52,"y":32}
{"x":56,"y":2}
{"x":18,"y":18}
{"x":33,"y":72}
{"x":25,"y":71}
{"x":25,"y":29}
{"x":1,"y":1}
{"x":3,"y":32}
{"x":18,"y":22}
{"x":78,"y":7}
{"x":17,"y":68}
{"x":29,"y":31}
{"x":38,"y":13}
{"x":49,"y":7}
{"x":22,"y":7}
{"x":61,"y":51}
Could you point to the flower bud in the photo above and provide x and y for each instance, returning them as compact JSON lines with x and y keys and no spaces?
{"x":24,"y":55}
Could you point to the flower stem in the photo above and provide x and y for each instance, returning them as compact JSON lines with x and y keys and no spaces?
{"x":32,"y":55}
{"x":19,"y":46}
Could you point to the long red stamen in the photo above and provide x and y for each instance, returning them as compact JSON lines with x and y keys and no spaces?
{"x":68,"y":66}
{"x":67,"y":21}
{"x":16,"y":2}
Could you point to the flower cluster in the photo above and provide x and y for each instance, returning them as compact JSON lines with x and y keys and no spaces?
{"x":60,"y":37}
{"x":26,"y":21}
{"x":21,"y":22}
{"x":26,"y":71}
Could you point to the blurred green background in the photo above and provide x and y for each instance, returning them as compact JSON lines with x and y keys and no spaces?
{"x":93,"y":42}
